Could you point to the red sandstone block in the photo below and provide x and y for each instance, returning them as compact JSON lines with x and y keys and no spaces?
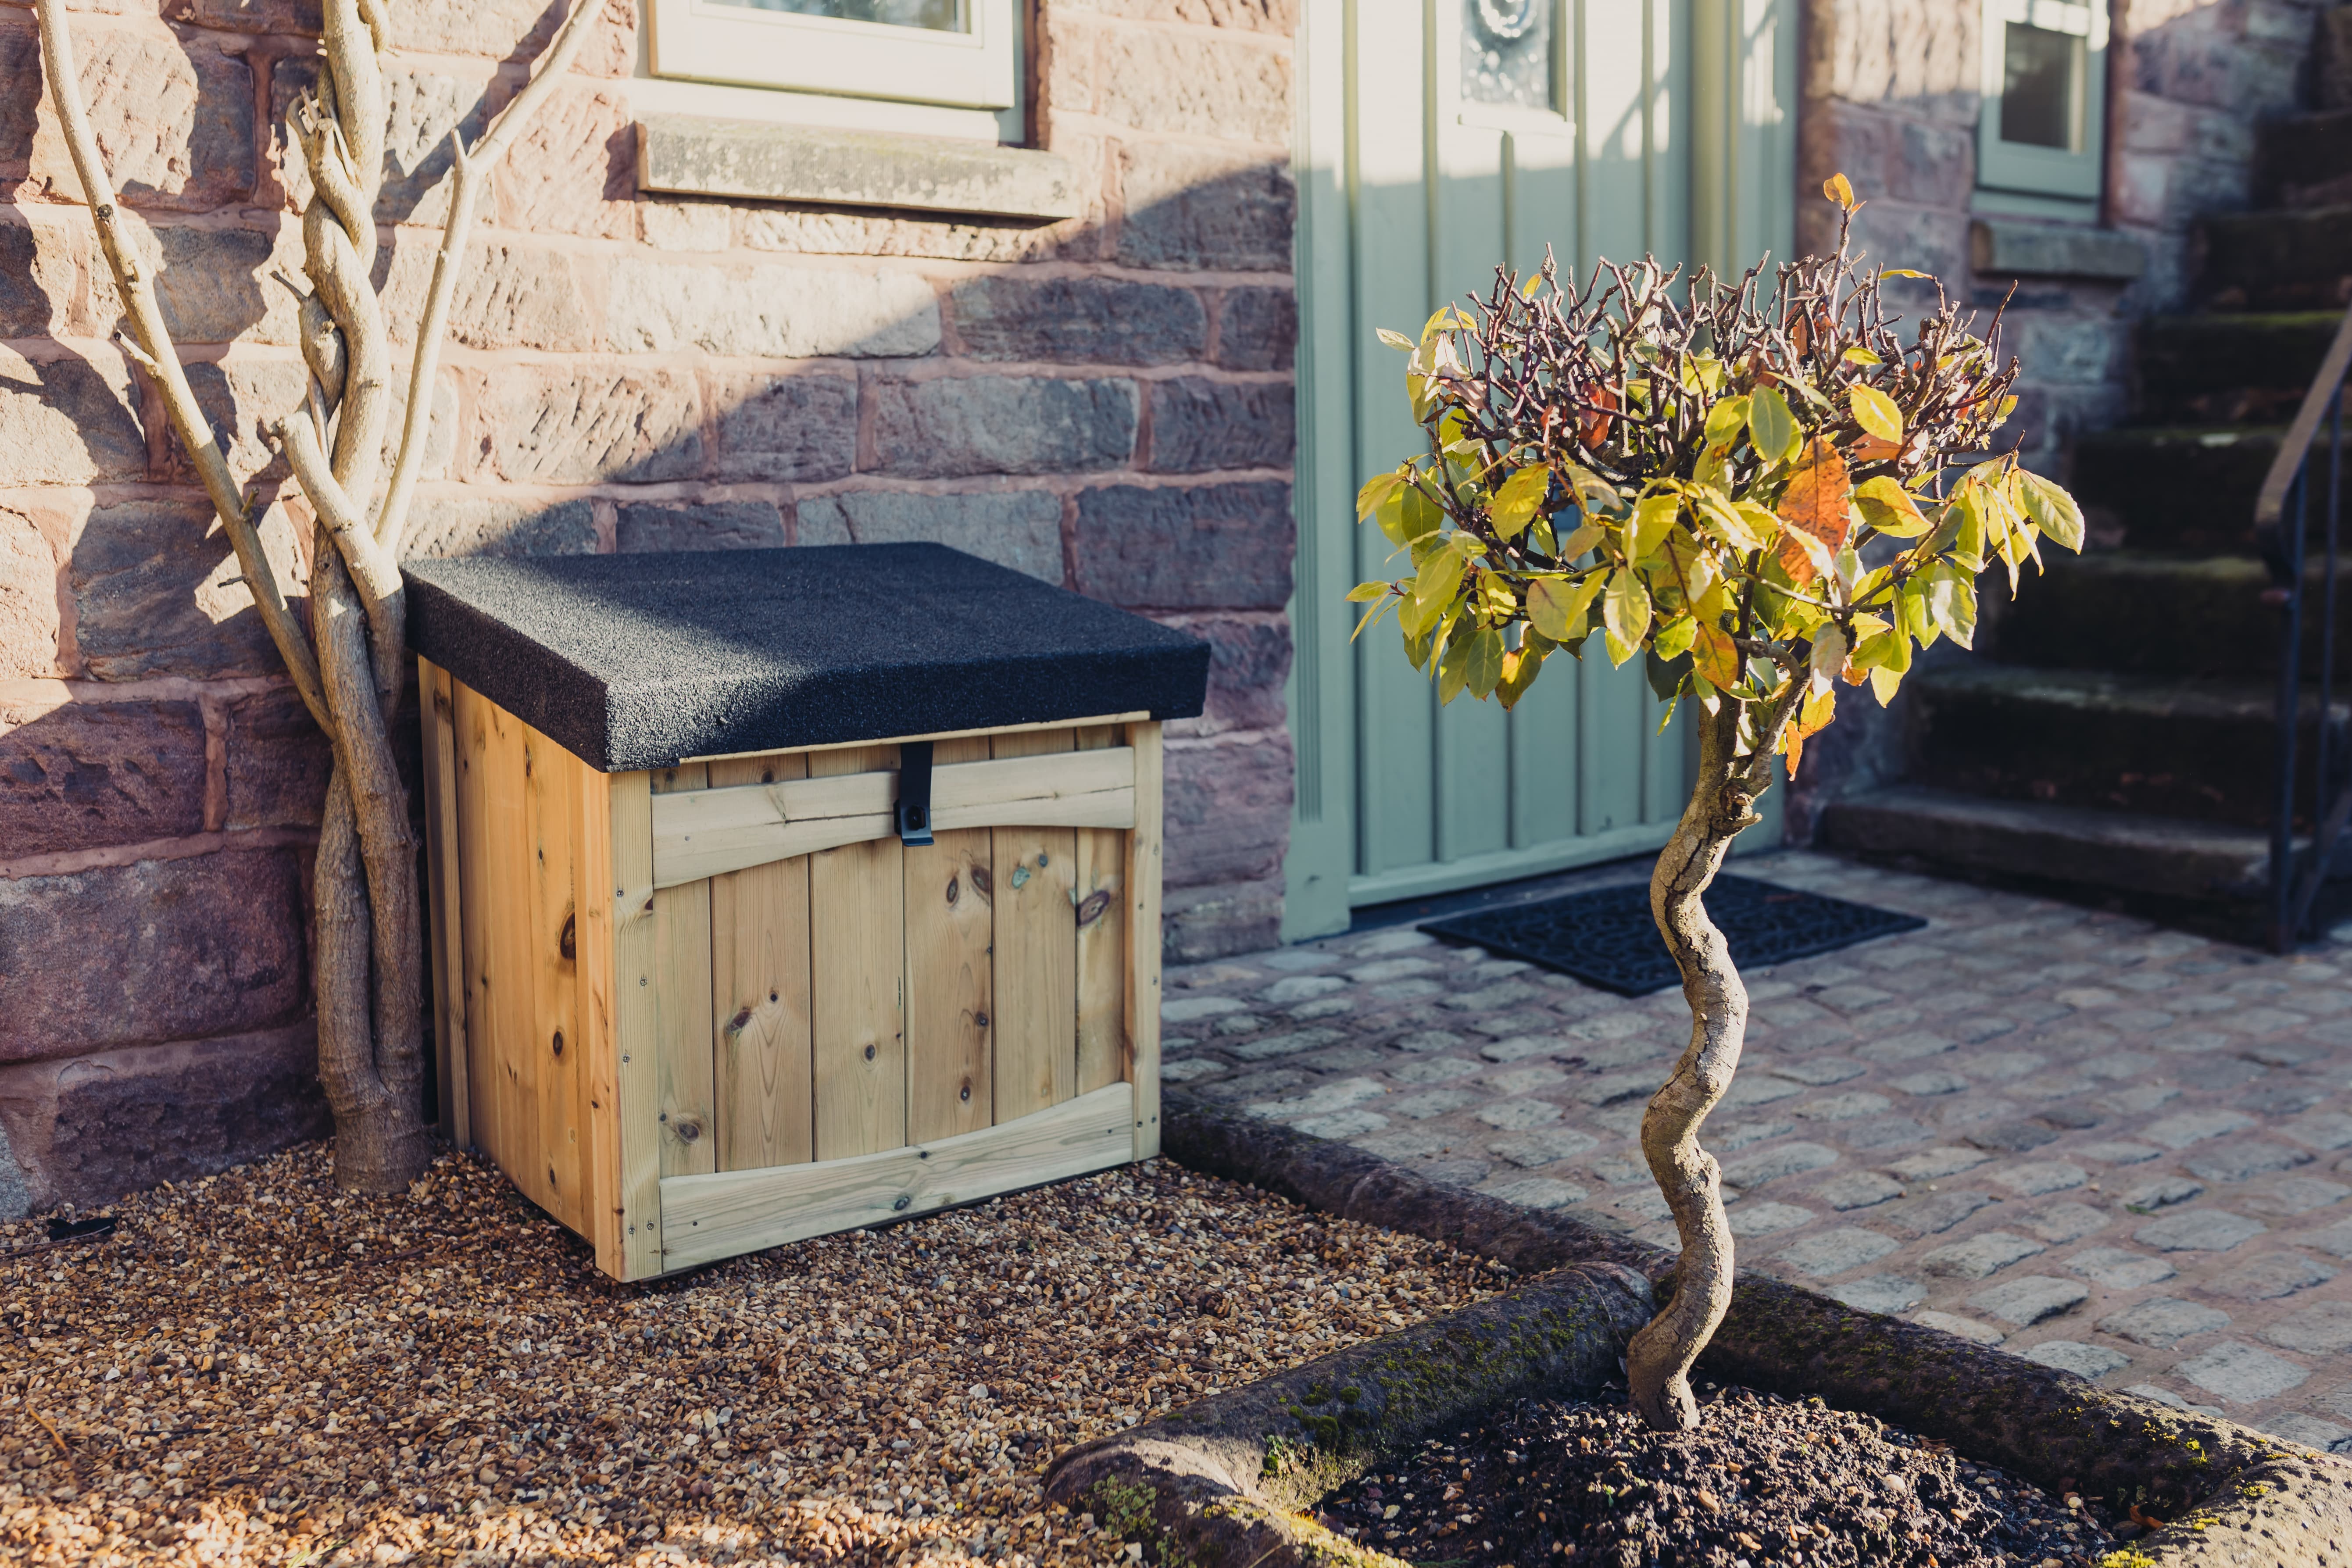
{"x":174,"y":116}
{"x":1248,"y":661}
{"x":153,"y":594}
{"x":91,"y":1129}
{"x":1188,"y":84}
{"x":1186,"y":547}
{"x":30,"y":623}
{"x":83,"y":775}
{"x":276,"y":761}
{"x":163,"y":950}
{"x":1228,"y":805}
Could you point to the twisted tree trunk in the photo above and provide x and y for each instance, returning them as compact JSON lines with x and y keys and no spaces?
{"x":350,"y":666}
{"x":1722,"y":805}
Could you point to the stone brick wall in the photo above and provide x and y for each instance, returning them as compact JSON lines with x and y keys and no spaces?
{"x":1105,"y":403}
{"x":1890,"y":97}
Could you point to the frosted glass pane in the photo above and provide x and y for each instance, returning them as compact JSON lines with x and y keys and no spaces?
{"x":933,"y":15}
{"x":1506,"y":52}
{"x":2040,"y":78}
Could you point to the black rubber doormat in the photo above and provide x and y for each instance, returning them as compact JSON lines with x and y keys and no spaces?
{"x":1606,"y":937}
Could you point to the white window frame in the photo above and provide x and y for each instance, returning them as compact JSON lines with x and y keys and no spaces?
{"x":702,"y":40}
{"x":2022,"y":167}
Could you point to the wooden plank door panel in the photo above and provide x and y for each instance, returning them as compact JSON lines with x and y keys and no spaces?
{"x":551,"y":830}
{"x":857,"y":925}
{"x":764,"y":1075}
{"x":682,"y":996}
{"x":951,"y":974}
{"x":1101,"y":915}
{"x":1034,"y":874}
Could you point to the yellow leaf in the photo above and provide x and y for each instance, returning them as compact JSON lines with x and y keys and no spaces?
{"x":1377,"y":489}
{"x":1887,"y":507}
{"x":1365,"y":593}
{"x":1582,"y":539}
{"x":1518,"y":497}
{"x":1625,"y":611}
{"x":1674,"y":637}
{"x":1876,"y":412}
{"x":1395,"y":339}
{"x":1883,"y":681}
{"x":1840,"y":191}
{"x":1652,"y":518}
{"x":1771,"y":428}
{"x":1860,"y":355}
{"x":1555,"y":608}
{"x":1715,"y":658}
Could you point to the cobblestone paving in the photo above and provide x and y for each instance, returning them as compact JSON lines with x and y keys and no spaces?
{"x":2112,"y":1148}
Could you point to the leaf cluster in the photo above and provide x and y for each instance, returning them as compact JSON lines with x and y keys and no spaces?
{"x":1695,"y":472}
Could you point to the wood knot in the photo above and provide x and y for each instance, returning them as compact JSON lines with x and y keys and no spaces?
{"x":1091,"y":907}
{"x":568,"y":944}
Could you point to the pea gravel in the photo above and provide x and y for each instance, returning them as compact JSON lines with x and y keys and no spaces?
{"x":259,"y":1370}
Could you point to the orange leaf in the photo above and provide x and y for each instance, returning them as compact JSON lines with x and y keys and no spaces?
{"x":1596,"y":426}
{"x":1794,"y":748}
{"x":1819,"y":502}
{"x":1876,"y":448}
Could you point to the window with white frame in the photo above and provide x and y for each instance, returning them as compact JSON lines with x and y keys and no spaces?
{"x":957,"y":53}
{"x":2040,"y":132}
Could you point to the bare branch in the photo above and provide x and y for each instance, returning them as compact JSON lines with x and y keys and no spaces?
{"x":375,"y":575}
{"x":161,"y":359}
{"x":465,"y":191}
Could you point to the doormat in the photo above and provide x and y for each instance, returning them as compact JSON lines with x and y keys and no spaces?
{"x":1606,"y":937}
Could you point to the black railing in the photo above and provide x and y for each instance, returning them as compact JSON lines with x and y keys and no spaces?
{"x":2283,"y":526}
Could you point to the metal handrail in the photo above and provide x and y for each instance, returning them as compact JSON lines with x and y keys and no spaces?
{"x":2292,"y":894}
{"x":2272,"y":501}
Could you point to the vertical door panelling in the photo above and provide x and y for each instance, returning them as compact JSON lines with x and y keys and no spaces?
{"x":1396,"y":785}
{"x":682,"y":998}
{"x":759,"y":997}
{"x":470,"y":721}
{"x":1034,"y":873}
{"x":1101,"y":915}
{"x":507,"y":985}
{"x":857,"y":945}
{"x":950,"y":999}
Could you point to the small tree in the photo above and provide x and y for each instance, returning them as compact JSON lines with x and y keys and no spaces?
{"x":1757,"y":488}
{"x":350,"y":662}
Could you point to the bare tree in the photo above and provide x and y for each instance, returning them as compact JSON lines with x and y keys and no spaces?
{"x":350,"y":662}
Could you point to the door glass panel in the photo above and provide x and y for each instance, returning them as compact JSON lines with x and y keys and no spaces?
{"x":932,"y":16}
{"x":2042,"y":71}
{"x":1506,"y":53}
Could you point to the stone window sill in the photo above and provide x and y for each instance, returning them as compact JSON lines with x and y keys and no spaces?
{"x":2054,"y":250}
{"x":754,"y":161}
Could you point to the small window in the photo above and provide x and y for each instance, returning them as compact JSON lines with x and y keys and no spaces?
{"x":2044,"y":98}
{"x":955,"y":52}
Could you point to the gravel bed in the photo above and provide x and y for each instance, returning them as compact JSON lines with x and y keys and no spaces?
{"x":259,"y":1370}
{"x":1763,"y":1480}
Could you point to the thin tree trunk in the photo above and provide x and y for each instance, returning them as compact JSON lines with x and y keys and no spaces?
{"x":1659,"y":1359}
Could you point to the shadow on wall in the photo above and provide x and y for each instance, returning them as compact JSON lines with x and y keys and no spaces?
{"x":745,"y":376}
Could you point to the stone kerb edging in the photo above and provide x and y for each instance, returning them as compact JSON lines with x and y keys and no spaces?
{"x":1229,"y":1480}
{"x":2230,"y":1494}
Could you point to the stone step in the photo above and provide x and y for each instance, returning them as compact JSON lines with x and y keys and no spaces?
{"x":2161,"y":615}
{"x":2304,"y":160}
{"x":2184,"y":488}
{"x":2161,"y":858}
{"x":2239,"y":368}
{"x":2165,"y":745}
{"x":2282,"y":259}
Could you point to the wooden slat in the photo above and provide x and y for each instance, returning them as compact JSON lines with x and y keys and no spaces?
{"x":550,"y":815}
{"x":469,"y":724}
{"x":896,"y":741}
{"x":759,"y":997}
{"x":1142,"y":999}
{"x":708,"y":832}
{"x":637,"y":1026}
{"x":1035,"y":870}
{"x":444,"y":874}
{"x":500,"y":987}
{"x":682,"y":998}
{"x":949,"y":975}
{"x":1101,"y":916}
{"x":601,"y":1166}
{"x":710,"y":1217}
{"x":857,"y":951}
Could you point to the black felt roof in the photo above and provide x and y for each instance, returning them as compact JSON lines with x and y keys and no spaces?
{"x":638,"y":661}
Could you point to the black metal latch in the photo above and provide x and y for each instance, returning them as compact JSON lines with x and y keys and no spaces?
{"x":914,"y":811}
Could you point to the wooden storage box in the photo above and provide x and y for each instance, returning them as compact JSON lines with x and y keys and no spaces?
{"x":698,"y":989}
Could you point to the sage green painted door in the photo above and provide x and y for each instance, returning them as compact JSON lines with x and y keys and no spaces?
{"x":1438,"y":139}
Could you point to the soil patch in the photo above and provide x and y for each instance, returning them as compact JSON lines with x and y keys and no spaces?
{"x":1764,"y":1480}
